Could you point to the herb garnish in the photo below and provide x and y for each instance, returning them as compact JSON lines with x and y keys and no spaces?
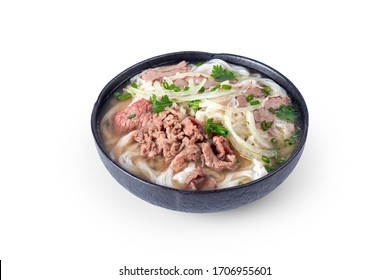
{"x":158,"y":106}
{"x":288,"y":113}
{"x":265,"y":125}
{"x":131,"y":116}
{"x":215,"y":127}
{"x":220,"y":74}
{"x":194,"y":104}
{"x":216,"y":87}
{"x":250,"y":97}
{"x":201,"y":90}
{"x":265,"y":159}
{"x":269,"y":168}
{"x":267,"y":90}
{"x":226,"y":87}
{"x":122,"y":96}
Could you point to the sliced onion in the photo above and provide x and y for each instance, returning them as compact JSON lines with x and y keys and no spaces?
{"x":244,"y":148}
{"x":210,"y":95}
{"x":259,"y":138}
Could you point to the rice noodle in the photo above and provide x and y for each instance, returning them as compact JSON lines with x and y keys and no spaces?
{"x":217,"y":103}
{"x":182,"y":175}
{"x":276,"y":89}
{"x":165,"y":178}
{"x":252,"y":172}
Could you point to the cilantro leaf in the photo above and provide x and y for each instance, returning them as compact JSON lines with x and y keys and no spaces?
{"x":288,"y":113}
{"x":159,"y":106}
{"x":216,"y":128}
{"x":220,"y":74}
{"x":194,"y":104}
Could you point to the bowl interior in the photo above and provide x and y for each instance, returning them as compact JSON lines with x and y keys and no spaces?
{"x":193,"y":57}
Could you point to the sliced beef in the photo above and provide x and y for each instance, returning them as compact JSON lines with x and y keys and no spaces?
{"x":208,"y":84}
{"x":242,"y":101}
{"x":164,"y":71}
{"x":188,"y":154}
{"x":263,"y":114}
{"x":180,"y":82}
{"x":142,"y":109}
{"x":225,"y":158}
{"x":256,"y":91}
{"x":197,"y":180}
{"x":275,"y":102}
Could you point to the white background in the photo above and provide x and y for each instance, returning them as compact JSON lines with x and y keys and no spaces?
{"x":64,"y":217}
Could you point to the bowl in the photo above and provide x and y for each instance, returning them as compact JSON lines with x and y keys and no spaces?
{"x":201,"y":201}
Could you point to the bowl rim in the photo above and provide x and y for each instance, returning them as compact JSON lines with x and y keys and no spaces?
{"x":95,"y":116}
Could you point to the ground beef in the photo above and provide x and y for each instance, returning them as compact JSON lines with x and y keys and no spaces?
{"x":225,"y":158}
{"x":187,"y":154}
{"x":161,"y":135}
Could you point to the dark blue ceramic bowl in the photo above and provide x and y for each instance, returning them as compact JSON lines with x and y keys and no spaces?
{"x":200,"y":201}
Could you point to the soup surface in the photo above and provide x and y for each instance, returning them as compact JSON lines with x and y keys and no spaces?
{"x":199,"y":126}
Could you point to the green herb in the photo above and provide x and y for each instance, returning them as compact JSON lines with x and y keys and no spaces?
{"x":165,"y":85}
{"x":250,"y":97}
{"x":220,"y":74}
{"x":123,"y":96}
{"x":292,"y":140}
{"x":269,"y":168}
{"x":281,"y":160}
{"x":265,"y":125}
{"x":134,"y":85}
{"x":273,"y":141}
{"x":240,"y":183}
{"x":265,"y":159}
{"x":158,"y":106}
{"x":215,"y":127}
{"x":116,"y":94}
{"x":199,"y":64}
{"x":216,"y":87}
{"x":194,"y":104}
{"x":226,"y":87}
{"x":186,"y":88}
{"x":288,"y":113}
{"x":201,"y":90}
{"x":131,"y":116}
{"x":271,"y":110}
{"x":172,"y":87}
{"x":267,"y":90}
{"x":254,"y":102}
{"x":176,"y":89}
